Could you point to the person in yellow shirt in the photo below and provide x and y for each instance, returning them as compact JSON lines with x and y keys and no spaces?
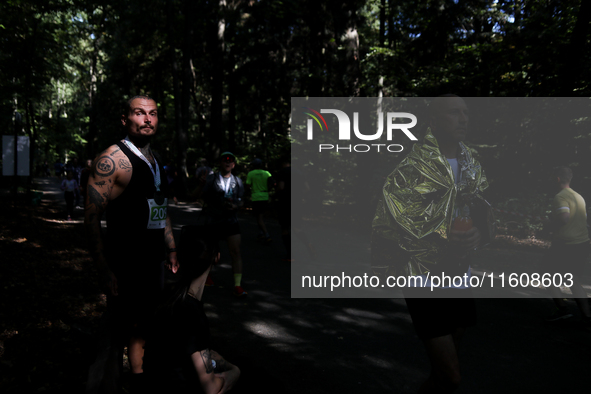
{"x":570,"y":246}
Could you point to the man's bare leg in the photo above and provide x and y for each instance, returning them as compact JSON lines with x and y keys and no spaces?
{"x":445,"y":366}
{"x":136,"y":354}
{"x":234,"y":246}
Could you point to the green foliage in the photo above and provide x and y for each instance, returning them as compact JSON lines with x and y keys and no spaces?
{"x":534,"y":205}
{"x":223,"y":73}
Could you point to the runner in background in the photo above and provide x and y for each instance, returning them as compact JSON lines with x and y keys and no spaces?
{"x":223,"y":194}
{"x":569,"y":251}
{"x":201,"y":174}
{"x":259,"y":181}
{"x":439,"y":175}
{"x":69,"y":186}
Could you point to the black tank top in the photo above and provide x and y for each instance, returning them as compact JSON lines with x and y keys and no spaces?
{"x":128,"y":214}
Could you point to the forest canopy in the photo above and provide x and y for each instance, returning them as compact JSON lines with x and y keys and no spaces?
{"x":223,"y":71}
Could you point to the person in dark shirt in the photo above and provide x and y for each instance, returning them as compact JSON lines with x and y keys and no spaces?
{"x":69,"y":186}
{"x":179,"y":358}
{"x":128,"y":183}
{"x":201,"y":174}
{"x":223,"y":193}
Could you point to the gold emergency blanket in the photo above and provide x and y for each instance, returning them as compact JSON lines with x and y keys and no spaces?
{"x":415,"y":213}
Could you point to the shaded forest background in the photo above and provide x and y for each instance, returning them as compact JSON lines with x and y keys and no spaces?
{"x":224,"y":71}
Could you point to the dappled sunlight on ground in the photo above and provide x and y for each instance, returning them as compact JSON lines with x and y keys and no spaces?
{"x":51,"y":307}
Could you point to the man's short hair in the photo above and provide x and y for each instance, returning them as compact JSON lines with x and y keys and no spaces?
{"x":257,"y":163}
{"x":436,"y":103}
{"x":564,"y":173}
{"x":127,"y":105}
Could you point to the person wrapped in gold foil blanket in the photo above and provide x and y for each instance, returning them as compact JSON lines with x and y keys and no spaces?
{"x":419,"y":201}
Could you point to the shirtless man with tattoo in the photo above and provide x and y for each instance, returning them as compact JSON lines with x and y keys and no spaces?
{"x":128,"y":182}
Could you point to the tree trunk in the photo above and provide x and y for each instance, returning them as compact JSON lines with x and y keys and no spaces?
{"x":576,"y":50}
{"x":352,"y":45}
{"x":92,"y":123}
{"x":32,"y":132}
{"x":232,"y":110}
{"x":216,"y":132}
{"x":176,"y":83}
{"x":391,"y":38}
{"x":382,"y":40}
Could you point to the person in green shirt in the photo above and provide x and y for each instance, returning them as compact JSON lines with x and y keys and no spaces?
{"x":259,"y":181}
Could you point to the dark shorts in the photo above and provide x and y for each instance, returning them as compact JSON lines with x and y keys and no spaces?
{"x":260,"y":207}
{"x":562,"y":258}
{"x":436,"y":317}
{"x":132,"y":315}
{"x":139,"y":288}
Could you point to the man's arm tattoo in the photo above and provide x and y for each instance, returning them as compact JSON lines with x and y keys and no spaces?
{"x":100,"y":184}
{"x":105,"y":166}
{"x":94,"y":197}
{"x":124,"y":164}
{"x":206,"y":357}
{"x":92,"y":222}
{"x":115,"y":151}
{"x":93,"y":233}
{"x":218,"y":362}
{"x":168,"y":235}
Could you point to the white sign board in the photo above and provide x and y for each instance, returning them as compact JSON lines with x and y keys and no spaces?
{"x":8,"y":155}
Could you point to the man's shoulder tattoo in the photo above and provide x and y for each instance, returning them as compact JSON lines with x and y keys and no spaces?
{"x":125,"y":165}
{"x":105,"y":166}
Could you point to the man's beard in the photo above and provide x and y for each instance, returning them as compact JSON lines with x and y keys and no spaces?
{"x":140,"y":140}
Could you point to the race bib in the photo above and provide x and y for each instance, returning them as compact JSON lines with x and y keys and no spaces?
{"x":157,"y":219}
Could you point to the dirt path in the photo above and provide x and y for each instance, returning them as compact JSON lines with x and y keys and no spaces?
{"x":294,"y":345}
